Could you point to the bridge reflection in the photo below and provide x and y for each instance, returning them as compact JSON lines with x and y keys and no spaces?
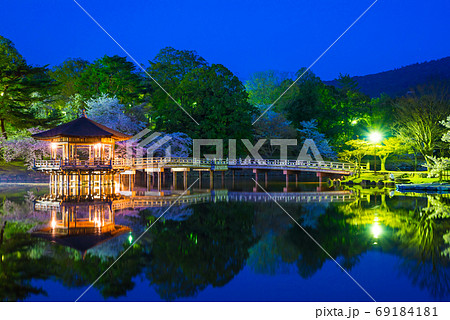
{"x":81,"y":209}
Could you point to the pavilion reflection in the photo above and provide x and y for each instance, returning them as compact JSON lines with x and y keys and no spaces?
{"x":80,"y":210}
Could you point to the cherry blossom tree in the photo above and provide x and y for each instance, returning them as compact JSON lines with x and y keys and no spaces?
{"x":109,"y":112}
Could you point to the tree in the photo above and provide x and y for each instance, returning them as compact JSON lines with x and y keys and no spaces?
{"x":113,"y":76}
{"x":109,"y":112}
{"x":340,"y":109}
{"x":265,"y":87}
{"x":388,"y":147}
{"x":25,"y":148}
{"x":446,"y":123}
{"x":437,"y":166}
{"x":67,"y":75}
{"x":359,"y":149}
{"x":418,"y":123}
{"x":21,"y":87}
{"x":168,"y":68}
{"x":302,"y":102}
{"x":212,"y":95}
{"x":310,"y":131}
{"x":273,"y":126}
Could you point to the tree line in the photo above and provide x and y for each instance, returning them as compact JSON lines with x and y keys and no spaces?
{"x":216,"y":105}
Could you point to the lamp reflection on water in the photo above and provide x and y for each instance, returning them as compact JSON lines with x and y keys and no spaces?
{"x":376,"y":229}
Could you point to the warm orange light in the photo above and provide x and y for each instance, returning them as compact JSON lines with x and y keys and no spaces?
{"x":54,"y":145}
{"x":53,"y":223}
{"x":98,"y":145}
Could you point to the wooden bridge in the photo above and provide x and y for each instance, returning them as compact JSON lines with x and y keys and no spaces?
{"x":186,"y":164}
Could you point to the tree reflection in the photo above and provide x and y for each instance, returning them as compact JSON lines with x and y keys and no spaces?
{"x":17,"y":267}
{"x":25,"y":258}
{"x":209,"y":248}
{"x":416,"y":235}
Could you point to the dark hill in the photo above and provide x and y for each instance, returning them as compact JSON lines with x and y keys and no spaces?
{"x":398,"y":82}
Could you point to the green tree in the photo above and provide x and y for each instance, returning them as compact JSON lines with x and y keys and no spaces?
{"x":212,"y":95}
{"x":390,"y":146}
{"x":303,"y":101}
{"x":358,"y":150}
{"x":418,"y":122}
{"x":168,"y":69}
{"x":21,"y":88}
{"x":113,"y":76}
{"x":265,"y":87}
{"x":67,"y":75}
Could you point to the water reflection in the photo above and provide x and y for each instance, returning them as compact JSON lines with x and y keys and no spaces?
{"x":209,"y":236}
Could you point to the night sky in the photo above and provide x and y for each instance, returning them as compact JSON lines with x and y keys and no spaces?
{"x":245,"y":36}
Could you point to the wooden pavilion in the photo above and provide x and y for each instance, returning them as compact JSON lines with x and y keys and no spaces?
{"x":81,"y":144}
{"x":82,"y":156}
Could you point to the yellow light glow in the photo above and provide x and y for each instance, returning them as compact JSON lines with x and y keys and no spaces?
{"x":98,"y":145}
{"x":54,"y":145}
{"x":375,"y":137}
{"x":53,"y":223}
{"x":354,"y":122}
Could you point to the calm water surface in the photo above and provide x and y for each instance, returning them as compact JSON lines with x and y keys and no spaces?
{"x":230,"y":244}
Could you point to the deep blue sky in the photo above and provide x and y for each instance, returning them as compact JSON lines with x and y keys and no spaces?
{"x":245,"y":36}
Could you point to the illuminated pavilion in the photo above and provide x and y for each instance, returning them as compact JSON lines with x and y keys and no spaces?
{"x":82,"y":158}
{"x":81,"y":144}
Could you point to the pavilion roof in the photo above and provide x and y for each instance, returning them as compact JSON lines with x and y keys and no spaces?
{"x":81,"y":128}
{"x":81,"y":242}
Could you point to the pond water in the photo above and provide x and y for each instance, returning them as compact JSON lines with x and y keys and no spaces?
{"x":232,"y":243}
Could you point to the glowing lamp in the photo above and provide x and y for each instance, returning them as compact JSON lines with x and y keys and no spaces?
{"x":375,"y":137}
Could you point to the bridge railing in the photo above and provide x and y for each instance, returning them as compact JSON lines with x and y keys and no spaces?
{"x":292,"y":163}
{"x":142,"y":163}
{"x":209,"y":163}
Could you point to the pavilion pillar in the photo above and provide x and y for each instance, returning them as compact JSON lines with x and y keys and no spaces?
{"x":89,"y":184}
{"x":159,"y":181}
{"x":185,"y":179}
{"x":255,"y":171}
{"x":68,"y":184}
{"x":149,"y":181}
{"x":174,"y":182}
{"x":79,"y":183}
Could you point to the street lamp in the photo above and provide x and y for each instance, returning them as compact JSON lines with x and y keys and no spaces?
{"x":375,"y":137}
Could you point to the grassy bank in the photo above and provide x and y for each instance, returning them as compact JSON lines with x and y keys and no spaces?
{"x":399,"y":176}
{"x":13,"y":168}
